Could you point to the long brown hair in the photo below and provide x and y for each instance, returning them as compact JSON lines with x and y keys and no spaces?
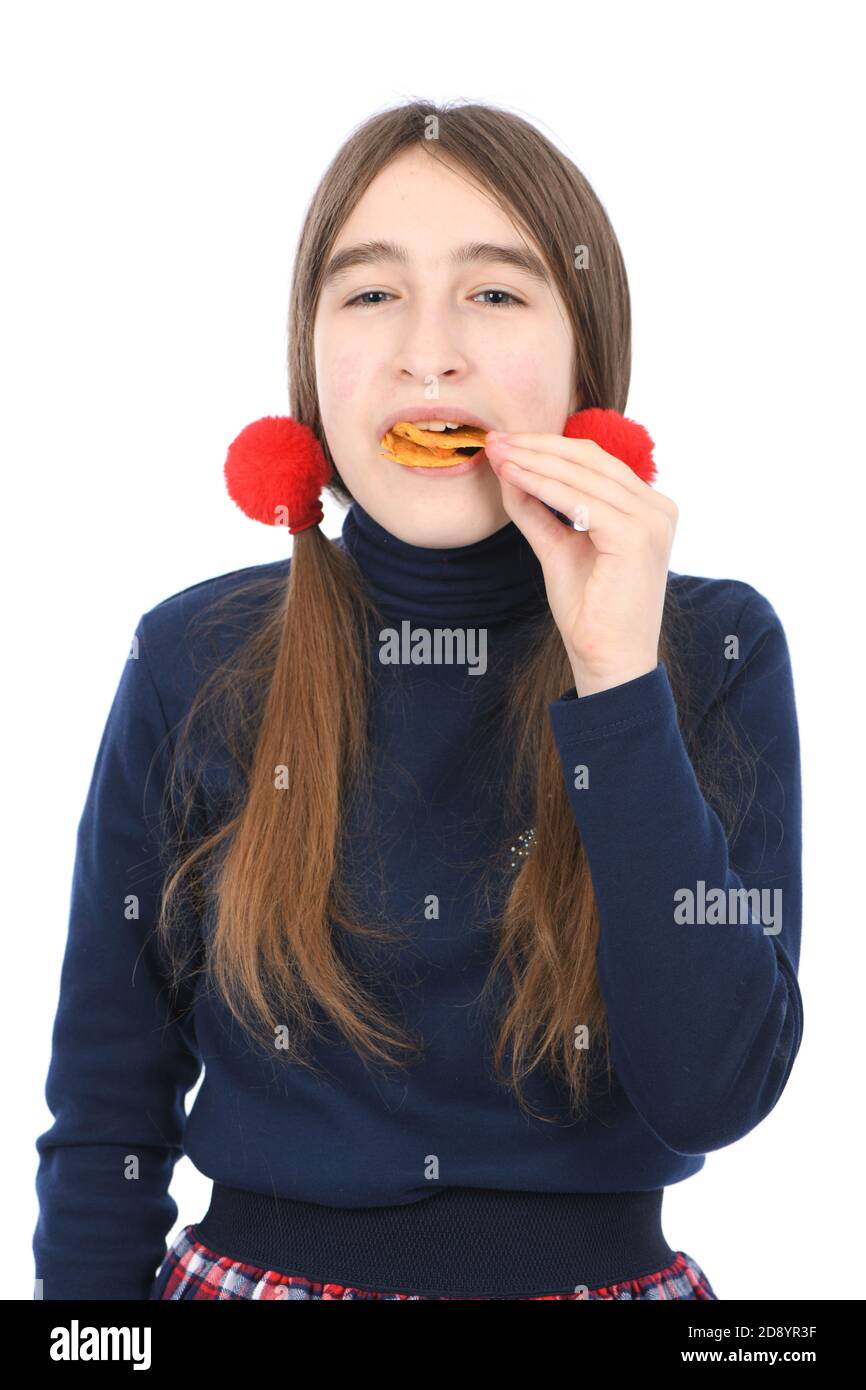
{"x":272,"y":870}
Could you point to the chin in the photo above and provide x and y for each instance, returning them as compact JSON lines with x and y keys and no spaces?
{"x":428,"y":521}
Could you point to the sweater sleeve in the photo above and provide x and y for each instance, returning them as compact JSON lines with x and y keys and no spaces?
{"x":121,"y":1061}
{"x":704,"y":1009}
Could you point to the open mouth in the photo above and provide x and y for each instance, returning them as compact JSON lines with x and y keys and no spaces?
{"x":433,"y":444}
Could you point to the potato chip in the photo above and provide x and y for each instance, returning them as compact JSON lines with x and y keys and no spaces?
{"x":415,"y":447}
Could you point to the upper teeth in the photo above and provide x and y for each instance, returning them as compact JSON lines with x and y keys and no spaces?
{"x":439,"y":425}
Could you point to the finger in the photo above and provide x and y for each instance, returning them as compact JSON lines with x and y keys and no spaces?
{"x":584,"y":451}
{"x":541,"y":528}
{"x":594,"y":458}
{"x":606,"y":525}
{"x":573,"y":473}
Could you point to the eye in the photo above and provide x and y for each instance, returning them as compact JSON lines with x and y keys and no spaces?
{"x":512,"y":297}
{"x":358,"y":297}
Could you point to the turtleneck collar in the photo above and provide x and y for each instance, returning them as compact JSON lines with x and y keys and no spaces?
{"x":496,"y":578}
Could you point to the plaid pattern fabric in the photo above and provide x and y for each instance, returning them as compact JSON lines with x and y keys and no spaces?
{"x":191,"y":1270}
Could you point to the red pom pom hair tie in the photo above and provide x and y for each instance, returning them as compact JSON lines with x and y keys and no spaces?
{"x":623,"y":438}
{"x":275,"y":471}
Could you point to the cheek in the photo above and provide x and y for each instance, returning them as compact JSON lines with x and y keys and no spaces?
{"x":340,"y":378}
{"x":533,"y":392}
{"x":341,"y":382}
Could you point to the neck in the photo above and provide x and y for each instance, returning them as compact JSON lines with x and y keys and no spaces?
{"x":495,"y":579}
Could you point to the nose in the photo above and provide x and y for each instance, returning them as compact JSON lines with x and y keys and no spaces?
{"x":429,"y":348}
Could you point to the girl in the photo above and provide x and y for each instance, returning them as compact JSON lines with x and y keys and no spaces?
{"x":479,"y":953}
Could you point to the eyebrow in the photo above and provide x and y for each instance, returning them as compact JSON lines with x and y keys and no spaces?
{"x":374,"y":252}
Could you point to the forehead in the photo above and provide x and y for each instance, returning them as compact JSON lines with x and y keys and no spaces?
{"x":429,"y":207}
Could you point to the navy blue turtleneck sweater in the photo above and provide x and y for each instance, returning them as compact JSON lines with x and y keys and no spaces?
{"x":697,"y":956}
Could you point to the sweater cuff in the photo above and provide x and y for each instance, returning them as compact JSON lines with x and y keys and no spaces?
{"x":606,"y":712}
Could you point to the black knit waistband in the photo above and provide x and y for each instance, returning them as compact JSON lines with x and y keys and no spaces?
{"x":458,"y":1242}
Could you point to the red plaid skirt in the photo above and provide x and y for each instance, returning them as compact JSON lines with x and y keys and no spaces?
{"x":191,"y":1270}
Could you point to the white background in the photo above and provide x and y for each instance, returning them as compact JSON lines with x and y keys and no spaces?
{"x":156,"y":164}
